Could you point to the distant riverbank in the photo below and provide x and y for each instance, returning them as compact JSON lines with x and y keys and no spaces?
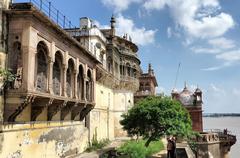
{"x":221,"y":115}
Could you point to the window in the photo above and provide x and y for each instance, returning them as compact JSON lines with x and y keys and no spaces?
{"x":80,"y":83}
{"x":70,"y":84}
{"x":57,"y":74}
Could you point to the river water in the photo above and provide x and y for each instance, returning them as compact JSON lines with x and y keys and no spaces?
{"x":232,"y":124}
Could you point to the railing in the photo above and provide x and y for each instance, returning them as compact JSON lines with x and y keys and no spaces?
{"x":217,"y":135}
{"x":140,"y":93}
{"x":51,"y":12}
{"x":217,"y":131}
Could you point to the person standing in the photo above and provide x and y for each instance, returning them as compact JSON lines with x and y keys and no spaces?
{"x":174,"y":147}
{"x":169,"y":148}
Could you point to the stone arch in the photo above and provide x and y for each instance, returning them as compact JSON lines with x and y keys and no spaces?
{"x":89,"y":86}
{"x":134,"y":71}
{"x":73,"y":62}
{"x":57,"y":73}
{"x":141,"y":86}
{"x":15,"y":57}
{"x":16,"y":64}
{"x":80,"y":82}
{"x":109,"y":65}
{"x":147,"y":86}
{"x":41,"y":66}
{"x":128,"y":69}
{"x":70,"y":78}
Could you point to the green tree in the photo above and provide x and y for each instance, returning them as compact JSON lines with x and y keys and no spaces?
{"x":155,"y":117}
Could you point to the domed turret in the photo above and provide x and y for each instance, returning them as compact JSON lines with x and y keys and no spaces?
{"x":198,"y":94}
{"x":186,"y":96}
{"x":174,"y":93}
{"x":192,"y":101}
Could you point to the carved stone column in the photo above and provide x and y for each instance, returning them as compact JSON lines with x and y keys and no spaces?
{"x":94,"y":86}
{"x":84,"y":87}
{"x":50,"y":76}
{"x":92,"y":91}
{"x":29,"y":66}
{"x":75,"y":84}
{"x":64,"y":77}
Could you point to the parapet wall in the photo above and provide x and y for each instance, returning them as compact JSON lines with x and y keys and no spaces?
{"x":214,"y":144}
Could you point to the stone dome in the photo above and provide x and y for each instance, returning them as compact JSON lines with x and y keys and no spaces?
{"x":186,"y":97}
{"x":198,"y":90}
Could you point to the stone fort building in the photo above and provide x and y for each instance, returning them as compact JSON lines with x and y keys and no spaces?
{"x":147,"y":85}
{"x":71,"y":83}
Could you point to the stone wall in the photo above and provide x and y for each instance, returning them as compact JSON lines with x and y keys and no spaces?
{"x":38,"y":140}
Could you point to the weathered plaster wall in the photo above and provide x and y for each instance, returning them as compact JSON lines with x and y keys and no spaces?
{"x":105,"y":117}
{"x":101,"y":123}
{"x":123,"y":100}
{"x":43,"y":140}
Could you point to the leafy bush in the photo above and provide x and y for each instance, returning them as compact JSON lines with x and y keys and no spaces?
{"x":137,"y":149}
{"x":6,"y":76}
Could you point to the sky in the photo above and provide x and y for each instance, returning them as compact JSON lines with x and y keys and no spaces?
{"x":202,"y":35}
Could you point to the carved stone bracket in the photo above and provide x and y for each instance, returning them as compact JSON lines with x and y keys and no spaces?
{"x":38,"y":109}
{"x":66,"y":109}
{"x":77,"y":108}
{"x":55,"y":108}
{"x":85,"y":111}
{"x":28,"y":99}
{"x":50,"y":102}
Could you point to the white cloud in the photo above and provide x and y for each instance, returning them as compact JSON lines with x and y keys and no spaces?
{"x":99,"y":25}
{"x":186,"y":14}
{"x":169,"y":32}
{"x":140,"y":36}
{"x":204,"y":50}
{"x":217,"y":90}
{"x":214,"y":68}
{"x":216,"y":46}
{"x":154,"y":4}
{"x":236,"y":92}
{"x":221,"y":99}
{"x":172,"y":33}
{"x":224,"y":65}
{"x":230,"y":56}
{"x":209,"y":26}
{"x":160,"y":89}
{"x":119,"y":5}
{"x":222,"y":43}
{"x":210,"y":3}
